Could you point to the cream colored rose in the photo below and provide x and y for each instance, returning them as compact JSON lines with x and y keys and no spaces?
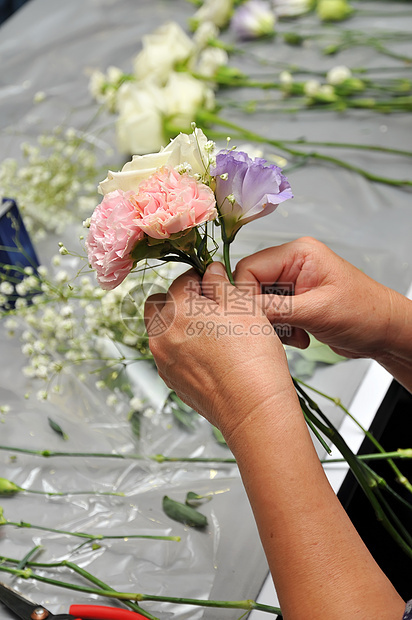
{"x":206,"y":32}
{"x":162,"y":50}
{"x":184,"y":149}
{"x":185,"y":95}
{"x":218,"y":12}
{"x":210,"y":60}
{"x":139,"y":126}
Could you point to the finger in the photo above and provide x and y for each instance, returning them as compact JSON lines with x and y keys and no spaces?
{"x":215,"y":283}
{"x":279,"y":264}
{"x":188,"y":283}
{"x":298,"y":310}
{"x":152,"y":308}
{"x":294,"y":336}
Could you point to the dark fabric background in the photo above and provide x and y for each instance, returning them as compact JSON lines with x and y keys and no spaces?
{"x":8,"y":7}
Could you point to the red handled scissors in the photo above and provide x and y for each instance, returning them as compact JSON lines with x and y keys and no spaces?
{"x":26,"y":610}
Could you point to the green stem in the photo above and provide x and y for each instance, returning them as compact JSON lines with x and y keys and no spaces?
{"x":361,"y":472}
{"x":399,"y":475}
{"x":159,"y":458}
{"x":89,"y":537}
{"x":65,"y":493}
{"x":396,"y":454}
{"x":247,"y":604}
{"x":80,"y":571}
{"x":226,"y":259}
{"x":207,"y":117}
{"x":401,"y":453}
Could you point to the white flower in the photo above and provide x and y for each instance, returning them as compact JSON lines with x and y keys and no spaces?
{"x":111,"y":400}
{"x":210,"y":60}
{"x":188,"y":148}
{"x":217,"y":12}
{"x":311,"y":88}
{"x":6,"y":288}
{"x":27,"y":349}
{"x":39,"y":96}
{"x":285,"y":78}
{"x":61,"y":276}
{"x":43,"y":271}
{"x":11,"y":324}
{"x":206,"y":32}
{"x":97,"y":83}
{"x":291,"y":8}
{"x":185,"y":95}
{"x":139,"y":127}
{"x":162,"y":51}
{"x":338,"y":75}
{"x":254,"y":18}
{"x":136,"y":403}
{"x":326,"y":90}
{"x":20,"y":303}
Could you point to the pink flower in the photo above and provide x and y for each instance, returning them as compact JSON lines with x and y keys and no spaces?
{"x":114,"y":232}
{"x":170,"y":203}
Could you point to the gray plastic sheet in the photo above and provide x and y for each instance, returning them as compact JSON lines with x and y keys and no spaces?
{"x":52,"y":46}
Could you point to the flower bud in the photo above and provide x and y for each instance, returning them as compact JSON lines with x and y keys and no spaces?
{"x":333,"y":10}
{"x":8,"y":488}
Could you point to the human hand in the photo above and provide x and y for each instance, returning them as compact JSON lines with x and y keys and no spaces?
{"x":333,"y":300}
{"x":217,"y":350}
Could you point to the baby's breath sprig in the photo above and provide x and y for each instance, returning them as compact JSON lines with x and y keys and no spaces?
{"x":63,"y":321}
{"x":55,"y":182}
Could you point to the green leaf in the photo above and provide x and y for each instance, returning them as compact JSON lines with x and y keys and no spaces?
{"x":319,"y":352}
{"x":57,"y":429}
{"x":183,"y":414}
{"x":183,"y":513}
{"x":193,"y":499}
{"x":135,"y":420}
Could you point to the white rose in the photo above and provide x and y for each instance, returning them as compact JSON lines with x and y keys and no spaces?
{"x":139,"y":127}
{"x":209,"y":61}
{"x":216,"y":11}
{"x":185,"y":95}
{"x":311,"y":88}
{"x":291,"y":8}
{"x":338,"y":75}
{"x":206,"y":32}
{"x":188,"y":149}
{"x":162,"y":51}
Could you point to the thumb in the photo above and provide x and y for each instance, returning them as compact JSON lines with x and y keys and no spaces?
{"x":215,"y":283}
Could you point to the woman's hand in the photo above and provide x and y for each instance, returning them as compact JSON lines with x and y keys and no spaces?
{"x":216,"y":348}
{"x":333,"y":300}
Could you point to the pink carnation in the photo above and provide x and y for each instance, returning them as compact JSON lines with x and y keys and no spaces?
{"x":113,"y":233}
{"x":171,"y":203}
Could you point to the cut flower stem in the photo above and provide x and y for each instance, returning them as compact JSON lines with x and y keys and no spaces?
{"x":207,"y":119}
{"x":128,"y":597}
{"x":89,"y":537}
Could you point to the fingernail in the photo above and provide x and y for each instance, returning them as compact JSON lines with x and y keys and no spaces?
{"x":216,"y":268}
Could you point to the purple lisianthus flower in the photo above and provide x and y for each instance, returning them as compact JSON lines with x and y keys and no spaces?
{"x":253,"y":19}
{"x":246,"y":189}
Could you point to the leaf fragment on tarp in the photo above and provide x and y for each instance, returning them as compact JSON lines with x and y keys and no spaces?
{"x":57,"y":429}
{"x":183,"y":513}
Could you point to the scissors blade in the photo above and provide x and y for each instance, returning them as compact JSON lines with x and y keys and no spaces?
{"x":16,"y":603}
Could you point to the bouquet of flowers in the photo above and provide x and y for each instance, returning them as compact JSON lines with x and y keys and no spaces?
{"x":159,"y":206}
